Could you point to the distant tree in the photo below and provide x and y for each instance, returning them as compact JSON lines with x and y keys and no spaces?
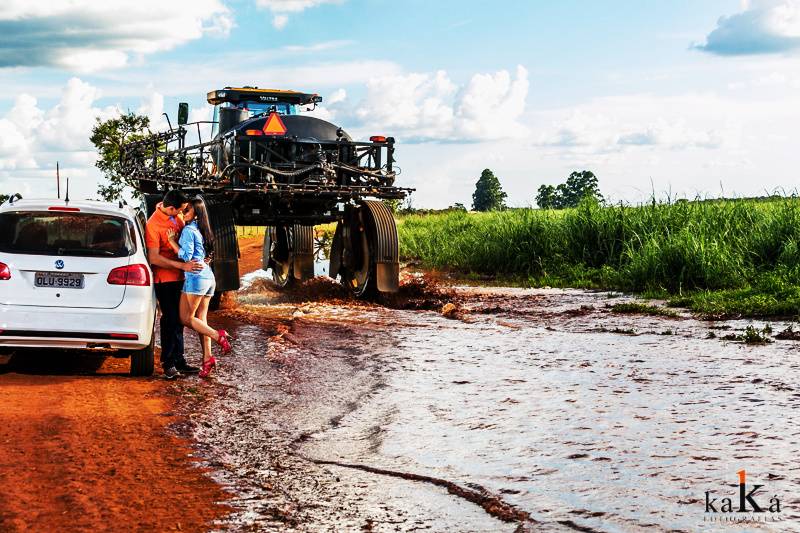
{"x":458,"y":206}
{"x":546,"y":197}
{"x":579,"y":185}
{"x":488,"y":195}
{"x":108,"y":136}
{"x":3,"y":198}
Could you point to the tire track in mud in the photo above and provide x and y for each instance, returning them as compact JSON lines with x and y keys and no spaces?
{"x":493,"y":505}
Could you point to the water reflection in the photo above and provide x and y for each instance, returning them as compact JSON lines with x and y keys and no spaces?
{"x":532,"y":397}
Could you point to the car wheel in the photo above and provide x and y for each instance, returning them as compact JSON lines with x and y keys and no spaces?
{"x":142,"y":360}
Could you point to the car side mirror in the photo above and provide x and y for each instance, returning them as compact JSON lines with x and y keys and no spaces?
{"x":183,"y":113}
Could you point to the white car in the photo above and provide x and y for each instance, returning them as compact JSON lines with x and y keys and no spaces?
{"x":75,"y":275}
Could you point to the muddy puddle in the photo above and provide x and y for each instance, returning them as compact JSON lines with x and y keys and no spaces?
{"x":515,"y":410}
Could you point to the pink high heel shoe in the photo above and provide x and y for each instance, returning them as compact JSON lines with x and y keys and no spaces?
{"x":224,"y":341}
{"x":208,"y":366}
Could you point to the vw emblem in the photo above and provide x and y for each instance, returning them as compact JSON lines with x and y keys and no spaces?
{"x":59,"y":264}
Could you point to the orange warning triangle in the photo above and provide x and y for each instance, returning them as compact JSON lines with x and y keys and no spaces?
{"x":274,"y":125}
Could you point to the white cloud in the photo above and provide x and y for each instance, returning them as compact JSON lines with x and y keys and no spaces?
{"x":280,"y":9}
{"x":339,"y":95}
{"x":762,"y":27}
{"x":90,"y":35}
{"x":424,"y":107}
{"x":637,"y":122}
{"x":772,"y":80}
{"x":279,"y":21}
{"x":33,"y":138}
{"x":317,"y":47}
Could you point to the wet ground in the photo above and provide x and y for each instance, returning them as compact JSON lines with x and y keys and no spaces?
{"x":537,"y":410}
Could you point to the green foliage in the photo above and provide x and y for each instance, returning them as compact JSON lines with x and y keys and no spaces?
{"x":488,"y":195}
{"x":721,"y":258}
{"x":392,"y":205}
{"x":108,"y":136}
{"x":547,"y":197}
{"x":751,"y":335}
{"x":578,"y":187}
{"x":457,"y":207}
{"x":3,"y":198}
{"x":642,"y":309}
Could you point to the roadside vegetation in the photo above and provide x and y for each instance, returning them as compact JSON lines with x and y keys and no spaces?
{"x":721,"y":258}
{"x":638,"y":308}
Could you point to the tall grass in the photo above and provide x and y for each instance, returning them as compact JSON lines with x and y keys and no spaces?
{"x":667,"y":247}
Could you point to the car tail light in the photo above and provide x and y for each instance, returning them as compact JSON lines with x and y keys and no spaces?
{"x":377,"y":139}
{"x":126,"y":336}
{"x":5,"y":272}
{"x":62,"y":208}
{"x":130,"y":275}
{"x":253,"y":132}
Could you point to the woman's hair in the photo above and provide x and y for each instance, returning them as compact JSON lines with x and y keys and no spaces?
{"x":203,"y":224}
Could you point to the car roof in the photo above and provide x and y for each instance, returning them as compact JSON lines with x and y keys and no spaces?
{"x":89,"y":206}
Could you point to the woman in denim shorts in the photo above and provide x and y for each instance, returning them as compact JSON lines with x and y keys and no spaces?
{"x":196,"y":243}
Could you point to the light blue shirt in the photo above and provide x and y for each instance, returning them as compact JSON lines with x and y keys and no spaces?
{"x":193,"y":249}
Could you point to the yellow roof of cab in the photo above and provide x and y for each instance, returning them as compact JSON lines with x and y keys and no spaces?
{"x":238,"y":94}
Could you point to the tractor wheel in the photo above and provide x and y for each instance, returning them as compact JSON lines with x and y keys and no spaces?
{"x":357,"y":270}
{"x":364,"y":250}
{"x":277,"y":254}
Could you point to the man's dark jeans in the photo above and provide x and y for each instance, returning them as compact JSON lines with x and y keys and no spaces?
{"x":168,"y":295}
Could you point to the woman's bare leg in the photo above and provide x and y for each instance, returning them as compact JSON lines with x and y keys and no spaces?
{"x":189,"y":305}
{"x":202,"y":315}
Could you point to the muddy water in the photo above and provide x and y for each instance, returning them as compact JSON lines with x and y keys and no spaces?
{"x":549,"y":411}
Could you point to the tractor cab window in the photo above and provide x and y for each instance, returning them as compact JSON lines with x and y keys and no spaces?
{"x":253,"y":109}
{"x":260,"y":108}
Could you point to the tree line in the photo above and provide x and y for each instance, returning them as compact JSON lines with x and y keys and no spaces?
{"x":489,"y":194}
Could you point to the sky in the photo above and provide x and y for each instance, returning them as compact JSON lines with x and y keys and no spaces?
{"x":678,"y":98}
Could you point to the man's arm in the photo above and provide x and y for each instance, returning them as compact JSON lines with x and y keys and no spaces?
{"x":155,"y":258}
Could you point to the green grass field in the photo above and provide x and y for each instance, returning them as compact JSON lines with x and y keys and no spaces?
{"x":722,"y":258}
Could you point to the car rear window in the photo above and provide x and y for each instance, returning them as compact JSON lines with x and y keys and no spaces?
{"x":68,"y":234}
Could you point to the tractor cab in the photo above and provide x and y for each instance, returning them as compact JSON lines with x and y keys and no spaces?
{"x":233,"y":105}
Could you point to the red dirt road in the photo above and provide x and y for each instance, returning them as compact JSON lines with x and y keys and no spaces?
{"x":250,"y":248}
{"x":84,"y":447}
{"x":94,"y":453}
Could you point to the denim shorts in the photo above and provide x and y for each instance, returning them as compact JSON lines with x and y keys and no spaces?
{"x":199,"y":285}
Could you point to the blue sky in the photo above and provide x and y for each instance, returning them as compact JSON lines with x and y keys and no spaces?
{"x":685,"y":98}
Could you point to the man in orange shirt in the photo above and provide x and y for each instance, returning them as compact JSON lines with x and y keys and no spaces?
{"x":168,"y":280}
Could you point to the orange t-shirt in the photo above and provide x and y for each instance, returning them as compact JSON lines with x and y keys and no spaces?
{"x":156,"y":237}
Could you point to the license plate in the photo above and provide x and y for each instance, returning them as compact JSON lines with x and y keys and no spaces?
{"x":58,"y":280}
